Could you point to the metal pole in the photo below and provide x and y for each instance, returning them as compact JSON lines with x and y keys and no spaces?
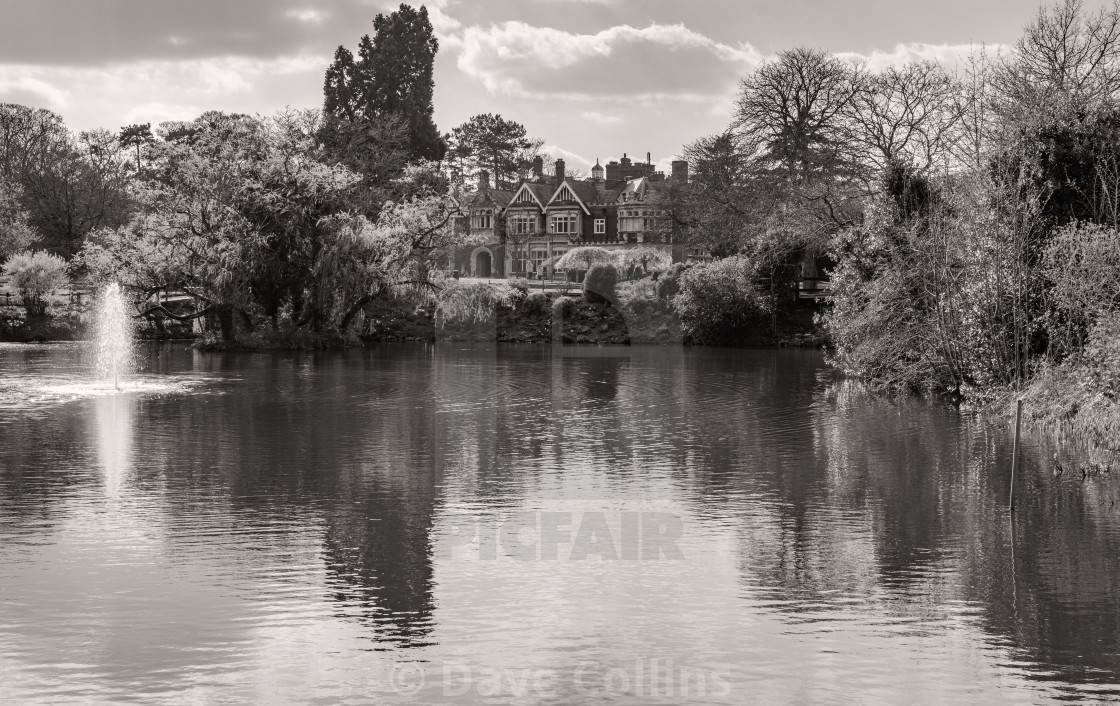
{"x":1015,"y":451}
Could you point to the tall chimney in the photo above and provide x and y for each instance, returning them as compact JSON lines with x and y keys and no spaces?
{"x":538,"y":167}
{"x":483,"y":181}
{"x":680,"y":171}
{"x":560,"y":172}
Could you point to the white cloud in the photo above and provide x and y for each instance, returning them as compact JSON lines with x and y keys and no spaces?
{"x":307,"y":15}
{"x":595,"y":116}
{"x":571,"y":159}
{"x":948,"y":55}
{"x":17,"y":88}
{"x":654,"y":63}
{"x":153,"y":91}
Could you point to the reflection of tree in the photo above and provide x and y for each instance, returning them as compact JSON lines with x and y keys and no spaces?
{"x":348,"y":437}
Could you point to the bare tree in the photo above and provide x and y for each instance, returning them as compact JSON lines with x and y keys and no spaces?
{"x":907,"y":115}
{"x":975,"y":100}
{"x":794,"y":115}
{"x":797,"y":109}
{"x":1065,"y":54}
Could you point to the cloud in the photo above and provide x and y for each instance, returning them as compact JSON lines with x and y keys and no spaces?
{"x":658,"y":62}
{"x":595,"y":116}
{"x":571,"y":159}
{"x":306,"y":15}
{"x":948,"y":55}
{"x":154,"y":91}
{"x":16,"y":88}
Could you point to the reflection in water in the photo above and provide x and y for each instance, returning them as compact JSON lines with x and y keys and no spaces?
{"x":297,"y":530}
{"x":113,"y":419}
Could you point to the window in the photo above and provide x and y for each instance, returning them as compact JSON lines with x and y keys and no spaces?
{"x":565,"y":224}
{"x":600,"y":226}
{"x":482,"y":220}
{"x":538,"y":258}
{"x":523,"y":224}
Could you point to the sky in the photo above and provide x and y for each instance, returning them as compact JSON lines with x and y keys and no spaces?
{"x":593,"y":78}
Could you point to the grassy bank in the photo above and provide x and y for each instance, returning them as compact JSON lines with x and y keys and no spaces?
{"x":548,"y":318}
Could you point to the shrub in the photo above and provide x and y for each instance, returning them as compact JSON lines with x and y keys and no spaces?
{"x":520,"y":284}
{"x":1082,"y":264}
{"x":562,"y":307}
{"x":472,"y":301}
{"x":642,"y":260}
{"x":599,"y":284}
{"x":36,"y":275}
{"x":638,"y":297}
{"x":535,"y":303}
{"x":668,"y":284}
{"x":719,"y":304}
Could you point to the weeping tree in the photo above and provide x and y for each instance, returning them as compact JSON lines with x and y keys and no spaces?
{"x":244,"y":218}
{"x":582,"y":258}
{"x":644,"y":258}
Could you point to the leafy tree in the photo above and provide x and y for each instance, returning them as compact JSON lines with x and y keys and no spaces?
{"x":392,"y":76}
{"x":244,"y":216}
{"x":69,"y":185}
{"x":135,"y":137}
{"x":491,"y":142}
{"x":15,"y":232}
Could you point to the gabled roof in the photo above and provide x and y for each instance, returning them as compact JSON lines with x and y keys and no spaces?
{"x":498,"y":198}
{"x":633,"y":188}
{"x":608,"y":196}
{"x":584,"y":192}
{"x":539,"y":192}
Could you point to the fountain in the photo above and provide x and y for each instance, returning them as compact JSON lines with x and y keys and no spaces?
{"x":113,"y":336}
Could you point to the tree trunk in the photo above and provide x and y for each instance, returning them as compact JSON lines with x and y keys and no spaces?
{"x":228,"y":324}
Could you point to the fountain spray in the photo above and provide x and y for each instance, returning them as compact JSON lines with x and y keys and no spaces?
{"x":113,"y":330}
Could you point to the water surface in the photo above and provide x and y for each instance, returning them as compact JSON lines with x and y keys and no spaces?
{"x":522,"y":524}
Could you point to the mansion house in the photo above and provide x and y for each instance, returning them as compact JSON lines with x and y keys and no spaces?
{"x":524,"y":231}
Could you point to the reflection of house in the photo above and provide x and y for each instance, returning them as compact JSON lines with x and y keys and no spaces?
{"x":526,"y":230}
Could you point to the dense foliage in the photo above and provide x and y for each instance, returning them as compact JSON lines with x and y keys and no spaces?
{"x":599,"y":284}
{"x":242,"y":217}
{"x":719,"y":302}
{"x":36,"y":275}
{"x":389,"y":81}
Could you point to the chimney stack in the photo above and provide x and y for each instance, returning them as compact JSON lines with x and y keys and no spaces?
{"x":483,"y":181}
{"x":680,"y":171}
{"x":538,"y":168}
{"x":560,"y":172}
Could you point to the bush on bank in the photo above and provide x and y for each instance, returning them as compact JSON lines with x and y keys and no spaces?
{"x":719,"y":303}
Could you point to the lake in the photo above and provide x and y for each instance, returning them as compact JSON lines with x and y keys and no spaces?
{"x":472,"y":523}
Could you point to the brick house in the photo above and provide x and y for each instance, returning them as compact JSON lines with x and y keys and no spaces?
{"x":523,"y":232}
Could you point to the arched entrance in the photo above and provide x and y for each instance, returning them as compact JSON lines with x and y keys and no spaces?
{"x":483,"y":263}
